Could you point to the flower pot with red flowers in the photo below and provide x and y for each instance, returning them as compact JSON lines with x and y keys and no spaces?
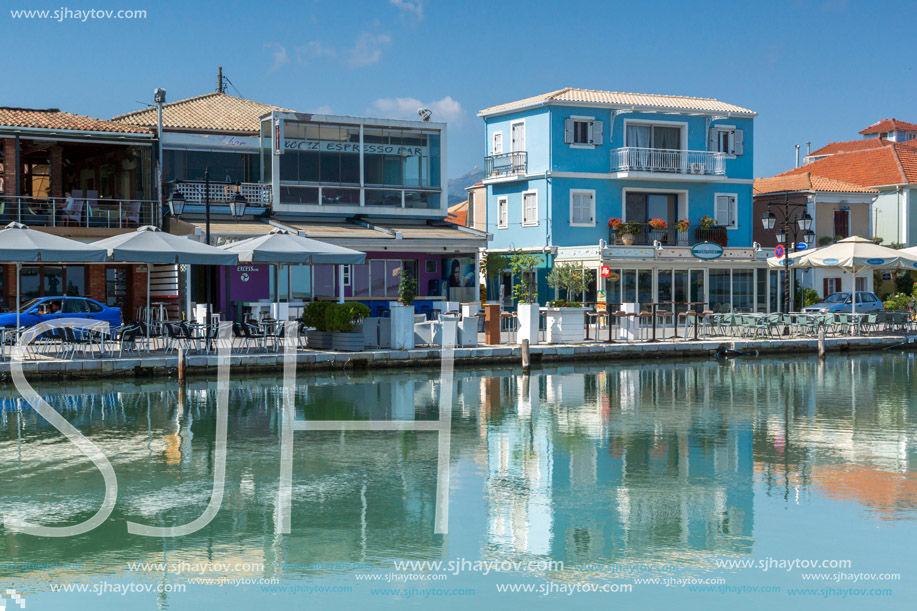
{"x":658,"y":230}
{"x":709,"y":231}
{"x":614,"y":223}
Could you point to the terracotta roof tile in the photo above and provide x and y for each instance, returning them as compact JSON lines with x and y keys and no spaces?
{"x":868,"y":168}
{"x":849,"y":146}
{"x":887,"y":125}
{"x":458,"y":214}
{"x":52,"y":118}
{"x":806,"y":181}
{"x":615,"y":98}
{"x":213,"y":112}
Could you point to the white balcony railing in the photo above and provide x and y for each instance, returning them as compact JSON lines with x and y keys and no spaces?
{"x":633,"y":159}
{"x":220,"y":192}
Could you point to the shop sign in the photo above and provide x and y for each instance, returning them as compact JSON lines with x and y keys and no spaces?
{"x":707,"y":250}
{"x":606,"y":271}
{"x":337,"y":146}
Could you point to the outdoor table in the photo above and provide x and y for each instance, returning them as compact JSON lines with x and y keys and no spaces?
{"x":653,"y":306}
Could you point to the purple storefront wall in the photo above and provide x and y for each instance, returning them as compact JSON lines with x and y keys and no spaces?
{"x":252,"y":282}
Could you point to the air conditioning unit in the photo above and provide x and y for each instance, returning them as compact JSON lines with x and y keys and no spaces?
{"x":697,"y":168}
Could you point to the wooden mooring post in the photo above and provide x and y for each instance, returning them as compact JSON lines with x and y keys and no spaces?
{"x":181,"y":365}
{"x":526,"y":356}
{"x":821,"y":342}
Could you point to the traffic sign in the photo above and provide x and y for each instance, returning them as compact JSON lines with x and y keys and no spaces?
{"x":779,"y":251}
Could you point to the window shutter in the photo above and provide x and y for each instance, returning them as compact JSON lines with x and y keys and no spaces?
{"x":498,"y":143}
{"x":568,"y":131}
{"x":731,"y":203}
{"x":711,"y":139}
{"x":826,"y":293}
{"x":598,"y":135}
{"x":590,"y":208}
{"x":721,"y":212}
{"x":738,"y":142}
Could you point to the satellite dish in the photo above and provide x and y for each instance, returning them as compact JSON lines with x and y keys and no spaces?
{"x":425,"y":113}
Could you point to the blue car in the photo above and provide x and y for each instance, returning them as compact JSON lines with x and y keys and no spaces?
{"x":42,"y":309}
{"x":867,"y":301}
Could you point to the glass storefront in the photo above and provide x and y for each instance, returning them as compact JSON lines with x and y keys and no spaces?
{"x":228,"y":167}
{"x":324,"y":164}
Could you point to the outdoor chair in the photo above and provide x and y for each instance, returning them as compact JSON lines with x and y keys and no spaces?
{"x":73,"y":216}
{"x":126,"y":336}
{"x":130,"y":214}
{"x":176,"y":337}
{"x":255,"y":335}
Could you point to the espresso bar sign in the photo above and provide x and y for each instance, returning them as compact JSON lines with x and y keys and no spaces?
{"x":336,"y":146}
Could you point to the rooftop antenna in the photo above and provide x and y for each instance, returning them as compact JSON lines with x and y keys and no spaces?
{"x":797,"y":155}
{"x":425,"y":113}
{"x":221,"y":88}
{"x":808,"y":148}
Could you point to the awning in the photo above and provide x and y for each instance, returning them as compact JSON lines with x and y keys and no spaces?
{"x":151,"y":245}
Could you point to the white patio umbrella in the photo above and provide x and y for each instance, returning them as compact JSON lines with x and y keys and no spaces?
{"x":856,"y":254}
{"x":19,"y":244}
{"x":151,"y":245}
{"x":282,"y":246}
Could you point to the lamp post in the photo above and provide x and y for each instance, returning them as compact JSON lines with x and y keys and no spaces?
{"x":799,"y":223}
{"x":159,"y":97}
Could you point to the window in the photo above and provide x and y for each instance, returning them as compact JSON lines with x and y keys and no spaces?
{"x":518,"y":137}
{"x":832,"y":286}
{"x":529,"y":208}
{"x":582,"y":208}
{"x":726,"y":139}
{"x":725,"y":212}
{"x":583,"y":131}
{"x":348,"y":271}
{"x":646,"y":136}
{"x":498,"y":143}
{"x":861,"y":284}
{"x":502,"y":213}
{"x":842,"y":223}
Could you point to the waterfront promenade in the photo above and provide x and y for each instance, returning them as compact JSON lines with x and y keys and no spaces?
{"x":159,"y":364}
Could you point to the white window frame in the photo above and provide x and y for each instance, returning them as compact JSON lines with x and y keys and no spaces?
{"x":731,"y":129}
{"x":502,"y":212}
{"x":661,"y":123}
{"x":589,"y":133}
{"x":735,"y":209}
{"x":590,"y":192}
{"x":681,"y":193}
{"x":524,"y":135}
{"x":493,"y":145}
{"x":535,"y":222}
{"x":348,"y":274}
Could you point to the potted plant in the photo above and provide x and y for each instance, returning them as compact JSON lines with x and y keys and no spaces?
{"x":492,"y":265}
{"x":628,"y":231}
{"x":343,"y":322}
{"x":403,"y":314}
{"x":658,"y":229}
{"x":613,"y":224}
{"x":565,"y":320}
{"x":314,"y":316}
{"x":708,"y":231}
{"x":526,"y":293}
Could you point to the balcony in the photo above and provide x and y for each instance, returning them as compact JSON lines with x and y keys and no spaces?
{"x":194,"y":191}
{"x":506,"y":164}
{"x":668,"y":161}
{"x":644,"y":235}
{"x":83,"y":212}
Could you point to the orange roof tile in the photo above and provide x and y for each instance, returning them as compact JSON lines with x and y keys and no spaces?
{"x":887,"y":125}
{"x":868,"y":168}
{"x":52,"y":118}
{"x":458,"y":214}
{"x":616,"y":98}
{"x":806,"y":181}
{"x":212,"y":112}
{"x":849,"y":146}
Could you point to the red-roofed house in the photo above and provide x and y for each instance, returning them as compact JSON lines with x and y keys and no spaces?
{"x":885,"y":160}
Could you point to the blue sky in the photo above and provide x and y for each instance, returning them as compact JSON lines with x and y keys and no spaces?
{"x":814,"y":71}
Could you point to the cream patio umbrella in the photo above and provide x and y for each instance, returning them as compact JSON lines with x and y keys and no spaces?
{"x":856,"y":254}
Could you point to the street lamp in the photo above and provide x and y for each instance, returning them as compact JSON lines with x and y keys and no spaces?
{"x":176,"y":202}
{"x":237,"y":205}
{"x":797,"y":223}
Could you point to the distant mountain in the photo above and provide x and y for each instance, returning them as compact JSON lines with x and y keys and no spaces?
{"x":457,"y":186}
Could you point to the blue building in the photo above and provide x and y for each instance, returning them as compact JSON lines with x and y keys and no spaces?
{"x":561,"y":167}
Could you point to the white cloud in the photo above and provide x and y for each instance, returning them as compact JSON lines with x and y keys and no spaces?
{"x":411,"y":7}
{"x":445,"y":109}
{"x":368,"y":49}
{"x":322,"y":110}
{"x":279,"y":54}
{"x":313,"y":50}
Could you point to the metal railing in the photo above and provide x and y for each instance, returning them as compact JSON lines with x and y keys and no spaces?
{"x":633,"y":159}
{"x":80,"y":212}
{"x":644,"y":235}
{"x":194,"y":190}
{"x":506,"y":164}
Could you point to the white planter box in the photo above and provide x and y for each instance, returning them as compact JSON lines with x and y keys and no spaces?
{"x":528,"y":316}
{"x":565,"y":325}
{"x":402,"y":327}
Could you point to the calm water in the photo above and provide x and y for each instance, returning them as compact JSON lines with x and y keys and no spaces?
{"x":720,"y":480}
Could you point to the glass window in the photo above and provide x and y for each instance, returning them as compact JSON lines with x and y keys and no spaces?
{"x":93,"y":306}
{"x":392,"y":277}
{"x":298,"y":195}
{"x":613,"y":288}
{"x":360,"y":280}
{"x":680,"y":290}
{"x":645,"y":286}
{"x":421,"y":199}
{"x":762,"y":290}
{"x":378,"y":197}
{"x":116,"y":287}
{"x":301,"y":281}
{"x":334,"y":196}
{"x":53,"y":280}
{"x":324,"y":280}
{"x":377,"y":278}
{"x":76,"y":280}
{"x":664,"y":284}
{"x":30,"y":281}
{"x":719,"y":290}
{"x":76,"y":306}
{"x":697,"y":286}
{"x":629,"y":286}
{"x":743,"y":290}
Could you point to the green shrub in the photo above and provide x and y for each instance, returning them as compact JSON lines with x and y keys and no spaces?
{"x":899,"y":301}
{"x":563,"y":303}
{"x":343,"y":317}
{"x":807,"y":297}
{"x":523,"y":267}
{"x":903,"y":282}
{"x":407,"y":289}
{"x":315,"y":315}
{"x":825,"y":240}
